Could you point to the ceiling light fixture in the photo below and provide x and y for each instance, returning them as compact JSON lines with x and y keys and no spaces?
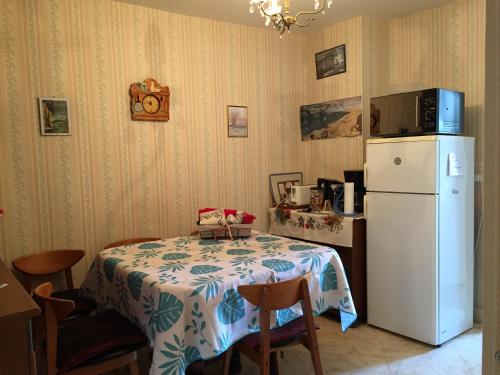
{"x":271,"y":11}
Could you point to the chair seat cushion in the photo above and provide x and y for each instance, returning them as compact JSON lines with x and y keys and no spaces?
{"x":93,"y":339}
{"x":83,"y":306}
{"x":280,"y":336}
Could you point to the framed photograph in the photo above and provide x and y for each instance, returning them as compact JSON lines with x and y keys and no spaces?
{"x":54,"y":116}
{"x":237,"y":121}
{"x":281,"y":183}
{"x":331,"y":62}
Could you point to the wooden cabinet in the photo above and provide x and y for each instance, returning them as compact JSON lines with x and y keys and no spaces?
{"x":16,"y":310}
{"x":347,"y":235}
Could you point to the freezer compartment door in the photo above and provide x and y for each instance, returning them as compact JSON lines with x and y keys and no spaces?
{"x":406,"y":167}
{"x":402,"y":264}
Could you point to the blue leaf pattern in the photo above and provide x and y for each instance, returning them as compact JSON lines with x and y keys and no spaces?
{"x":109,"y":267}
{"x":175,"y":256}
{"x":206,"y":268}
{"x":278,"y":265}
{"x":150,"y":246}
{"x":232,"y":308}
{"x":134,"y":282}
{"x":240,"y":251}
{"x":328,"y":278}
{"x":301,"y":247}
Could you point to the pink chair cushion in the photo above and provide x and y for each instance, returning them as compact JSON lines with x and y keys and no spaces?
{"x":280,"y":336}
{"x":91,"y":337}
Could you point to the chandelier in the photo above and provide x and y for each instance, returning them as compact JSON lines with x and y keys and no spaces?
{"x":271,"y":10}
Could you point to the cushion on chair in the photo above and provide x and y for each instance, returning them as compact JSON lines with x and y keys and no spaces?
{"x":93,"y":339}
{"x":280,"y":336}
{"x":83,"y":306}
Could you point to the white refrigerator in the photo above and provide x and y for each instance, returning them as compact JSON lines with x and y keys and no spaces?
{"x":420,"y":219}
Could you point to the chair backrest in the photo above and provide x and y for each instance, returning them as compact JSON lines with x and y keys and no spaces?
{"x":53,"y":311}
{"x":48,"y":263}
{"x":131,"y":241}
{"x":275,"y":296}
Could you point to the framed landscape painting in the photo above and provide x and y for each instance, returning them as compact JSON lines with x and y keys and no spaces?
{"x":54,"y":116}
{"x":237,"y":121}
{"x":336,"y":118}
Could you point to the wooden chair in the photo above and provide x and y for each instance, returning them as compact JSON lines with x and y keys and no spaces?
{"x":91,"y":345}
{"x":131,"y":241}
{"x":261,"y":345}
{"x":50,"y":263}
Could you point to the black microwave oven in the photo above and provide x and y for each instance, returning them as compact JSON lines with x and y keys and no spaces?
{"x":431,"y":111}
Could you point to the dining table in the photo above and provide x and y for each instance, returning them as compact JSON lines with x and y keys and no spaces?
{"x":182,"y":292}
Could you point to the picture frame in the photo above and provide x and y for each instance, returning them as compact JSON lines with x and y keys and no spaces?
{"x":331,"y":62}
{"x":54,"y":116}
{"x":237,"y":121}
{"x":280,"y":184}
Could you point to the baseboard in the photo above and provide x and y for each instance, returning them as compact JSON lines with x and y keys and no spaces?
{"x":478,"y":314}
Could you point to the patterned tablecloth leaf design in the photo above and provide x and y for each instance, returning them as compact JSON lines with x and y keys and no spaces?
{"x":266,"y":239}
{"x":168,"y":313}
{"x":178,"y":356}
{"x":232,"y":307}
{"x":205,"y":268}
{"x":150,"y":246}
{"x":175,"y":256}
{"x":301,"y":247}
{"x":134,"y":282}
{"x":109,"y":267}
{"x":278,"y":265}
{"x":328,"y":278}
{"x":240,"y":251}
{"x":182,"y":292}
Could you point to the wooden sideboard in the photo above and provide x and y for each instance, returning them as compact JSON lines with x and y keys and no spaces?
{"x":16,"y":310}
{"x":352,"y":250}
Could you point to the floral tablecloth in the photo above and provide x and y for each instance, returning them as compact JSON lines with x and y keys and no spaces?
{"x":324,"y":228}
{"x":182,"y":292}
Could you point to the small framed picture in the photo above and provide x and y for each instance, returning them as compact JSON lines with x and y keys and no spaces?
{"x":237,"y":121}
{"x":54,"y":116}
{"x":331,"y":62}
{"x":281,"y":184}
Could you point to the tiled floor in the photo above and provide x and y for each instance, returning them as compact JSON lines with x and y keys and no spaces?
{"x":368,"y":350}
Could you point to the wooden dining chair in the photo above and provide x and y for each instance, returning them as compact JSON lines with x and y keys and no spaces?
{"x":260,"y":346}
{"x":131,"y":241}
{"x":52,"y":262}
{"x":91,"y":345}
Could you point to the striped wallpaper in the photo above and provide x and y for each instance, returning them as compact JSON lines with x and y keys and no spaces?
{"x":115,"y":178}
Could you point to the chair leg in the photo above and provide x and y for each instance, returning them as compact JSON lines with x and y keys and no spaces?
{"x":314,"y":349}
{"x":227,"y":360}
{"x":276,"y":363}
{"x":133,"y":368}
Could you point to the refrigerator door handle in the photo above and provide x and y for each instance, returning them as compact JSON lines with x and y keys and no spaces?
{"x":365,"y":175}
{"x":365,"y":205}
{"x":417,"y":111}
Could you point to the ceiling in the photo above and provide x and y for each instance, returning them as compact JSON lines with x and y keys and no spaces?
{"x":236,"y":11}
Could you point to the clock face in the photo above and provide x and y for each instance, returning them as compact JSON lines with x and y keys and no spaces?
{"x":151,"y":104}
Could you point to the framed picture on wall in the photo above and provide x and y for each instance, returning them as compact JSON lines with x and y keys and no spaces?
{"x":331,"y":62}
{"x":281,"y":184}
{"x":237,"y":121}
{"x":54,"y":116}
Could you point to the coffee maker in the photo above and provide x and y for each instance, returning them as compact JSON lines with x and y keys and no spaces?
{"x":356,"y":176}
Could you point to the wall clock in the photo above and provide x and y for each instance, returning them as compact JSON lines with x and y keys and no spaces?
{"x":149,"y":101}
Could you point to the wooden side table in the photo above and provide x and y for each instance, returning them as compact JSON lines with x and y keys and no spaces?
{"x":16,"y":310}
